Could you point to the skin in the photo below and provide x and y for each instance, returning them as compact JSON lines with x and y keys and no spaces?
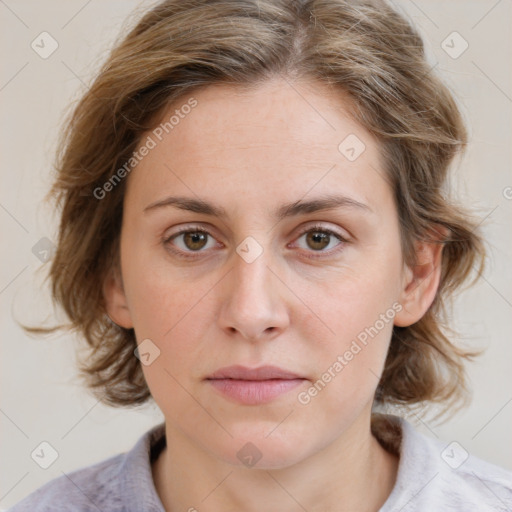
{"x":250,"y":153}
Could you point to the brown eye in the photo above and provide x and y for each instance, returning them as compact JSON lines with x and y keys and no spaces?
{"x":318,"y":240}
{"x":195,"y":240}
{"x":189,"y":241}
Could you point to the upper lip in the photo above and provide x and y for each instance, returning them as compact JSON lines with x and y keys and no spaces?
{"x":239,"y":372}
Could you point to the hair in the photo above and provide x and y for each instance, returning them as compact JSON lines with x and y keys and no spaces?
{"x":364,"y":49}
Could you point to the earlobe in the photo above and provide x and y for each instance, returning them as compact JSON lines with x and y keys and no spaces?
{"x":420,"y":283}
{"x":115,"y":300}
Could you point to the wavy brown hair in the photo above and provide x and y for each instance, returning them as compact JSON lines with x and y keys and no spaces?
{"x":362,"y":48}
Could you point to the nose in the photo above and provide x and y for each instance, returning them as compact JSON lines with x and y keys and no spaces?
{"x":254,"y":306}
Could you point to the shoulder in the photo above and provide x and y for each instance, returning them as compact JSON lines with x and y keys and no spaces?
{"x":117,"y":484}
{"x":437,"y":475}
{"x":466,"y":479}
{"x":83,"y":489}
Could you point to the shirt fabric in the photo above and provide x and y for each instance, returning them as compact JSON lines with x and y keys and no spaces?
{"x":432,"y":477}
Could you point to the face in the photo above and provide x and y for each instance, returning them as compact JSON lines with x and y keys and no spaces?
{"x":284,"y":251}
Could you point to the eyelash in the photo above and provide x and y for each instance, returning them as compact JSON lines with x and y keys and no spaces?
{"x":196,"y":254}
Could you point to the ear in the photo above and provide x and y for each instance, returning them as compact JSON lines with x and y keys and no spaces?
{"x":115,"y":299}
{"x":421,"y":281}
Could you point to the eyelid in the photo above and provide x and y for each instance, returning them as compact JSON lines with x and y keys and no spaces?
{"x":320,"y":227}
{"x":316,"y":255}
{"x":189,"y":229}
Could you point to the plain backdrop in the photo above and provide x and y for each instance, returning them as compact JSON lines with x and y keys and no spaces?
{"x":42,"y":400}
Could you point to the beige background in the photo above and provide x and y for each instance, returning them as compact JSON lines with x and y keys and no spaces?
{"x":41,"y":399}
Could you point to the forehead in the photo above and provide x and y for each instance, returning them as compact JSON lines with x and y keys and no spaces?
{"x":309,"y":115}
{"x":279,"y":135}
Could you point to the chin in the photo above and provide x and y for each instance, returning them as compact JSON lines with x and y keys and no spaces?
{"x":259,"y":452}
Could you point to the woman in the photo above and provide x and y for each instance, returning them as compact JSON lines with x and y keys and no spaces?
{"x":254,"y":233}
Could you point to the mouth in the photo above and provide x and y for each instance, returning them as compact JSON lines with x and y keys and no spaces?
{"x":252,"y":386}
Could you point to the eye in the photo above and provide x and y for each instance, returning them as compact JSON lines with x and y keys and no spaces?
{"x":322,"y":240}
{"x":189,"y":240}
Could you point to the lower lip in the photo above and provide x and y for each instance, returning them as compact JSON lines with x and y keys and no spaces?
{"x":253,"y":392}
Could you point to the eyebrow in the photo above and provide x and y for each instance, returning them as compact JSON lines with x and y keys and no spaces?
{"x":328,"y":202}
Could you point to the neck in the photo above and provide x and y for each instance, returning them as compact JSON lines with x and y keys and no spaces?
{"x":353,"y":473}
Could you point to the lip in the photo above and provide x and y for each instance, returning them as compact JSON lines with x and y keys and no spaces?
{"x":252,"y":386}
{"x":240,"y":372}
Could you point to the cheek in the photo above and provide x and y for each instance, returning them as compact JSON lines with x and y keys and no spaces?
{"x":351,"y":303}
{"x":173,"y":309}
{"x":159,"y":296}
{"x":174,"y":316}
{"x":348,"y":364}
{"x":349,"y":356}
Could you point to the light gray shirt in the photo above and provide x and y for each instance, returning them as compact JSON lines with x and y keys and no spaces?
{"x":432,"y":477}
